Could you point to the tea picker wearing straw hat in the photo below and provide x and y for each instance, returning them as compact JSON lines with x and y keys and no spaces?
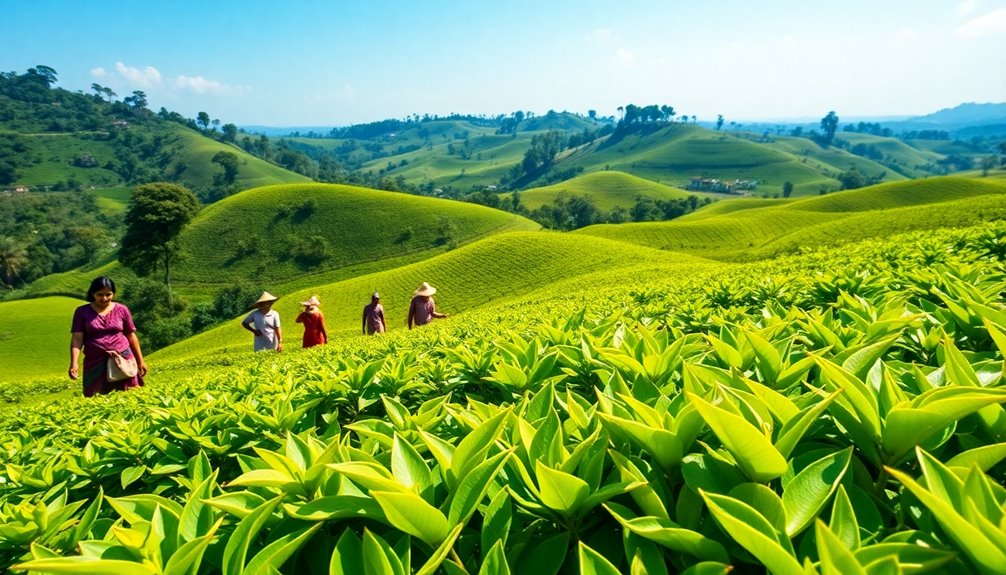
{"x":423,"y":309}
{"x":264,"y":323}
{"x":314,"y":323}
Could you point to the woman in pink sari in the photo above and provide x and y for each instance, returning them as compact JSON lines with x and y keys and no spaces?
{"x":100,"y":329}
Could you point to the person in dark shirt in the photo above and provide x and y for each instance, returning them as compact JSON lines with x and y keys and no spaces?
{"x":373,"y":316}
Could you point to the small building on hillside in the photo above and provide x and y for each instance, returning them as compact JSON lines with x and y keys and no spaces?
{"x":737,"y":186}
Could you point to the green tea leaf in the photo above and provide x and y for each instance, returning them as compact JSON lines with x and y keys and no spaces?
{"x":593,"y":563}
{"x":969,"y":539}
{"x":87,"y":566}
{"x":836,"y":559}
{"x":561,"y":492}
{"x":755,"y":454}
{"x":806,"y":495}
{"x":347,"y":557}
{"x":753,"y":532}
{"x":239,"y":541}
{"x":495,"y":562}
{"x":274,"y":555}
{"x":413,"y":515}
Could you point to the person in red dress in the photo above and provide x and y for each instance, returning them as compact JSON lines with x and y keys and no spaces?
{"x":314,"y":323}
{"x":99,"y":328}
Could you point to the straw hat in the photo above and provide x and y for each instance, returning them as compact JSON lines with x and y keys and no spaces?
{"x":375,"y":296}
{"x":266,"y":297}
{"x":314,"y":301}
{"x":425,"y":289}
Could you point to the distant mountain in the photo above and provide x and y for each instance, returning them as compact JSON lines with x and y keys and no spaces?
{"x":966,"y":114}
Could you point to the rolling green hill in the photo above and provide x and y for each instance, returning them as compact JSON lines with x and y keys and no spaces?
{"x":484,"y":272}
{"x":35,"y":337}
{"x":277,"y":233}
{"x":756,"y":230}
{"x":898,"y":154}
{"x":608,"y":190}
{"x":297,"y":235}
{"x":676,"y":153}
{"x":181,"y":155}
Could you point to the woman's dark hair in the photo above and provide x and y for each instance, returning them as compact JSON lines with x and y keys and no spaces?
{"x":99,"y":284}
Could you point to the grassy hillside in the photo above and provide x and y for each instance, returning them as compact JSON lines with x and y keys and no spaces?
{"x":196,"y":151}
{"x":898,"y":154}
{"x":485,"y":272}
{"x":755,"y":230}
{"x":608,"y":190}
{"x":160,"y":151}
{"x":674,"y":154}
{"x":35,"y":337}
{"x":276,"y":233}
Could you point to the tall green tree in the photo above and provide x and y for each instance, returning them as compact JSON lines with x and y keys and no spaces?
{"x":203,"y":119}
{"x":229,"y":162}
{"x":13,"y":259}
{"x":156,"y":215}
{"x":829,"y":124}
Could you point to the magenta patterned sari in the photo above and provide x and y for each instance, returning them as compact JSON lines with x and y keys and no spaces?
{"x":104,"y":333}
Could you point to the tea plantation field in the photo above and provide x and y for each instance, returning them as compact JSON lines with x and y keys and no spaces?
{"x":591,"y":406}
{"x":608,"y":190}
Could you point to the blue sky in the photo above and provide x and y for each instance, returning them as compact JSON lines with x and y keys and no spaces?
{"x":315,"y":63}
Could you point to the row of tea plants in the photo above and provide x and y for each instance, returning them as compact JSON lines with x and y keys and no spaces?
{"x":834,"y":412}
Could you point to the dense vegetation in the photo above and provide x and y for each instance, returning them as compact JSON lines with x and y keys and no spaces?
{"x":51,"y":233}
{"x":834,"y":412}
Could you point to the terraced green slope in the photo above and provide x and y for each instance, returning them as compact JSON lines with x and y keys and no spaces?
{"x":35,"y":337}
{"x":481,"y":273}
{"x":276,"y":233}
{"x":752,"y":232}
{"x":608,"y":190}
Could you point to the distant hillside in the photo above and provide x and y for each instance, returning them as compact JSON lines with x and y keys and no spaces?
{"x":969,"y":113}
{"x":756,"y":230}
{"x":675,"y":153}
{"x":608,"y":190}
{"x":456,"y":152}
{"x":54,"y":139}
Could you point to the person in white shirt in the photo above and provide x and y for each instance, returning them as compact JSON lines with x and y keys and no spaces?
{"x":264,"y":323}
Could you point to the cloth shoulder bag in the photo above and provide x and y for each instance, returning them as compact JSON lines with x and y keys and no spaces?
{"x":121,"y":366}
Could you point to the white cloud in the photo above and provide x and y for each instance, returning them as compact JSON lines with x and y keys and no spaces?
{"x":201,"y":85}
{"x":625,"y":56}
{"x":966,"y":7}
{"x":99,"y":72}
{"x":985,"y":25}
{"x":602,"y":34}
{"x":146,"y":78}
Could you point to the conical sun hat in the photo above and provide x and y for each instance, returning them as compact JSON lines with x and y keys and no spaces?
{"x":314,"y":301}
{"x":425,"y":289}
{"x":266,"y":297}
